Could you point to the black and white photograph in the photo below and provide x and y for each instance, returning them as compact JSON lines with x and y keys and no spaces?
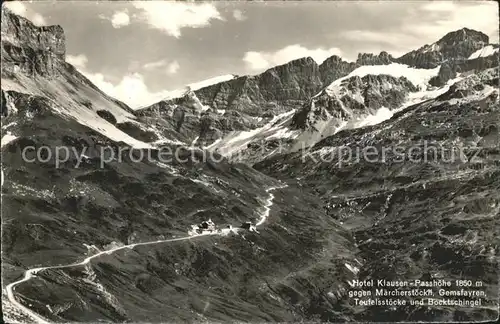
{"x":250,"y":161}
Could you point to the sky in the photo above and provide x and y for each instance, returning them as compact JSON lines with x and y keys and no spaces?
{"x":139,"y":51}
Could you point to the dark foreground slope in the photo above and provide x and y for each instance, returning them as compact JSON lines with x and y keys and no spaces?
{"x":420,"y":193}
{"x":56,"y":214}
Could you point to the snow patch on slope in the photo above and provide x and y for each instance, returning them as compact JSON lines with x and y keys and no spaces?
{"x":199,"y":106}
{"x":106,"y":129}
{"x":321,"y":129}
{"x":380,"y":115}
{"x":68,"y":100}
{"x":483,"y":52}
{"x":414,"y":98}
{"x":238,"y":140}
{"x":418,"y":77}
{"x":7,"y":138}
{"x":420,"y":96}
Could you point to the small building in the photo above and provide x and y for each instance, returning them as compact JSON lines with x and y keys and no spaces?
{"x":248,"y":226}
{"x":194,"y":230}
{"x":208,"y":225}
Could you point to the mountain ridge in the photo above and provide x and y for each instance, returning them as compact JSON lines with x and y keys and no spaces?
{"x":292,"y":85}
{"x":383,"y":58}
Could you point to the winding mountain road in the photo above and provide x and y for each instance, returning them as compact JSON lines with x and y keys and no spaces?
{"x":30,"y":273}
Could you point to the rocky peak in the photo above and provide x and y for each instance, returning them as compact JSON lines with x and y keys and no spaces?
{"x":304,"y":64}
{"x":28,"y":48}
{"x":456,"y":45}
{"x":460,"y":44}
{"x":21,"y":32}
{"x":449,"y":70}
{"x":463,"y":35}
{"x":335,"y":67}
{"x":383,"y":58}
{"x":296,"y":80}
{"x":281,"y":87}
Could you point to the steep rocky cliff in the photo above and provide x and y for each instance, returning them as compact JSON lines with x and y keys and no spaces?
{"x":383,"y":58}
{"x":30,"y":49}
{"x":335,"y":67}
{"x":33,"y":62}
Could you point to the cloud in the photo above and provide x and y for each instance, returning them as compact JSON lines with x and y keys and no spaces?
{"x":131,"y":89}
{"x":171,"y":17}
{"x":238,"y":15}
{"x":20,"y":9}
{"x":16,"y":7}
{"x":256,"y":60}
{"x":262,"y":60}
{"x":38,"y":19}
{"x":120,"y":19}
{"x":155,"y":65}
{"x":446,"y":16}
{"x":170,"y":68}
{"x":429,"y":22}
{"x":173,"y":67}
{"x":79,"y":61}
{"x":438,"y":6}
{"x":395,"y":42}
{"x":371,"y":36}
